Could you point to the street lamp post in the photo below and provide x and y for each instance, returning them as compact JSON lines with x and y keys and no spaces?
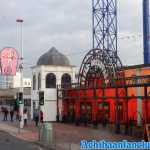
{"x":20,"y":47}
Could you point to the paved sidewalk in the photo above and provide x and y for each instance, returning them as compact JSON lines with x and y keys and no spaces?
{"x":29,"y":133}
{"x":68,"y":136}
{"x":65,"y":136}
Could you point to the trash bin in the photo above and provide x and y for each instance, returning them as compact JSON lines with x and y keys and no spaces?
{"x":46,"y":133}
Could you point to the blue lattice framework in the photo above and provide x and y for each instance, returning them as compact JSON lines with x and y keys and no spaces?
{"x":105,"y":24}
{"x":102,"y":62}
{"x":104,"y":52}
{"x":146,"y":31}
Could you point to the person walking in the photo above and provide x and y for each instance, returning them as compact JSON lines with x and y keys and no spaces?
{"x":25,"y":117}
{"x":5,"y":114}
{"x":36,"y":117}
{"x":11,"y":115}
{"x":3,"y":111}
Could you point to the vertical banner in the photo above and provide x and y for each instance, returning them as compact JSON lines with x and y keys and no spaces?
{"x":8,"y":61}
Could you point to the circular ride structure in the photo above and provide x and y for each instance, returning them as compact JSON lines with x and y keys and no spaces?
{"x":100,"y":67}
{"x":103,"y":69}
{"x":103,"y":92}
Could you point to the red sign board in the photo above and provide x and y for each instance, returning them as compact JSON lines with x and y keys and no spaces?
{"x":8,"y":61}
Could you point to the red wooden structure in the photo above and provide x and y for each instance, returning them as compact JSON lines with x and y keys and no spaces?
{"x":104,"y":93}
{"x":100,"y":101}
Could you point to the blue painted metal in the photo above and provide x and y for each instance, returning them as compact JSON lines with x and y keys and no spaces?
{"x":146,"y":31}
{"x":105,"y":24}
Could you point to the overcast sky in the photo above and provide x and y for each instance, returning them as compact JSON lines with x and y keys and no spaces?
{"x":66,"y":25}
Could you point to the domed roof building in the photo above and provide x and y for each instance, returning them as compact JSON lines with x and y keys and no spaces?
{"x":53,"y":57}
{"x":53,"y":68}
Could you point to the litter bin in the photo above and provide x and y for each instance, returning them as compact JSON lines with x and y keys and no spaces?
{"x":46,"y":133}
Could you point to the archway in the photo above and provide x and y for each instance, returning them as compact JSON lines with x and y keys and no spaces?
{"x":65,"y":80}
{"x":50,"y":81}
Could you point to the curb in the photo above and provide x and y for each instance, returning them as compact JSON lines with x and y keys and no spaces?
{"x":44,"y":145}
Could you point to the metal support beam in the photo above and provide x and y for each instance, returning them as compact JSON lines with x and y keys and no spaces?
{"x":104,"y":19}
{"x":146,"y":31}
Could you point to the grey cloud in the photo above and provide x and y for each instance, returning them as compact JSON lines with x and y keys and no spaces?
{"x":67,"y":25}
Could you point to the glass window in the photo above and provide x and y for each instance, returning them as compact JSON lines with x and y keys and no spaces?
{"x":66,"y":80}
{"x":50,"y":80}
{"x":39,"y":81}
{"x":34,"y":82}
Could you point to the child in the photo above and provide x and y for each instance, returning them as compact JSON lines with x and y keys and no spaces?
{"x":25,"y":117}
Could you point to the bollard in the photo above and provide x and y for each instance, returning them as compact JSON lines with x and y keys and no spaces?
{"x":49,"y":133}
{"x":46,"y":133}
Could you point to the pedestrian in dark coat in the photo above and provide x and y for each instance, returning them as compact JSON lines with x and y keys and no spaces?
{"x":5,"y":114}
{"x":36,"y":117}
{"x":11,"y":115}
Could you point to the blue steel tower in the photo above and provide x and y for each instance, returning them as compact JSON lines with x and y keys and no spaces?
{"x":105,"y":24}
{"x":146,"y":29}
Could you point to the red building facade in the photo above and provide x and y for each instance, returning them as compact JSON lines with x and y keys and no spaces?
{"x":128,"y":99}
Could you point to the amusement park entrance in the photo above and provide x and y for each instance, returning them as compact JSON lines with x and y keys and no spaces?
{"x":103,"y":93}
